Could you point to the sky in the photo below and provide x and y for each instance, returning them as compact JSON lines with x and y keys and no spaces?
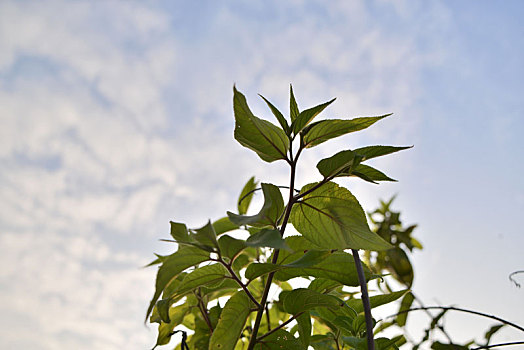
{"x":116,"y":117}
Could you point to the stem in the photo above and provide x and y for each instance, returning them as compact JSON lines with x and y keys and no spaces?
{"x":203,"y":311}
{"x":461,"y":310}
{"x":235,"y":277}
{"x":268,"y":319}
{"x":291,"y":201}
{"x":501,"y":344}
{"x":439,"y":326}
{"x":280,"y":326}
{"x":365,"y":300}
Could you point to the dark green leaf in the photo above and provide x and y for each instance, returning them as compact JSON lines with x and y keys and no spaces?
{"x":261,"y":136}
{"x":405,"y":304}
{"x":230,"y":247}
{"x":163,"y":306}
{"x":324,"y":130}
{"x":302,"y":299}
{"x":176,"y":315}
{"x":282,"y":121}
{"x":337,"y":163}
{"x":179,"y":231}
{"x":376,"y":300}
{"x":293,"y":107}
{"x":494,"y":329}
{"x":304,"y":328}
{"x":206,"y":235}
{"x":203,"y":276}
{"x":246,"y":195}
{"x":370,"y":152}
{"x":270,"y":212}
{"x":367,"y":173}
{"x":322,"y":342}
{"x":279,"y":340}
{"x":332,"y":218}
{"x":306,"y":116}
{"x":267,"y":238}
{"x":174,"y":264}
{"x":441,"y":346}
{"x":224,"y":225}
{"x":231,"y":322}
{"x":323,"y":285}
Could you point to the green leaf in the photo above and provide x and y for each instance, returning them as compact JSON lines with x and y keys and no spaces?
{"x":202,"y":276}
{"x":246,"y":195}
{"x":176,"y":315}
{"x":323,"y":285}
{"x":376,"y":300}
{"x":494,"y":329}
{"x":332,"y":218}
{"x":442,"y":346}
{"x":230,"y":247}
{"x":231,"y":322}
{"x":293,"y":107}
{"x":338,"y":266}
{"x":267,"y":238}
{"x":279,"y":340}
{"x":405,"y":304}
{"x":322,"y":342}
{"x":223,"y":225}
{"x":282,"y":121}
{"x":179,"y":231}
{"x":370,"y":152}
{"x":304,"y":328}
{"x":163,"y":306}
{"x":367,"y":173}
{"x":173,"y":265}
{"x":255,"y":270}
{"x":206,"y":235}
{"x":306,"y":116}
{"x":303,"y":299}
{"x":338,"y":162}
{"x":324,"y":130}
{"x":361,"y":343}
{"x":261,"y":136}
{"x":270,"y":212}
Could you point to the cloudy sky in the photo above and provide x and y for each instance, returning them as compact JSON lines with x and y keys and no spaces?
{"x":116,"y":117}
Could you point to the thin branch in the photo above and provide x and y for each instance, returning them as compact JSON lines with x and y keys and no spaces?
{"x":365,"y":300}
{"x":439,"y":326}
{"x":280,"y":326}
{"x":235,"y":277}
{"x":203,"y":310}
{"x":501,"y":344}
{"x":461,"y":310}
{"x":268,"y":318}
{"x":512,"y":279}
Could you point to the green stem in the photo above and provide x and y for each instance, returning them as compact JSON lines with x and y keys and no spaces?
{"x":365,"y":300}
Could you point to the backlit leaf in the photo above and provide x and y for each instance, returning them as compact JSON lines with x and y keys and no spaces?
{"x":293,"y":107}
{"x":302,"y":299}
{"x":338,"y":162}
{"x":321,"y":131}
{"x":270,"y":212}
{"x":405,"y":304}
{"x":267,"y":238}
{"x":206,"y":235}
{"x":261,"y":136}
{"x":206,"y":275}
{"x":279,"y":340}
{"x":332,"y":218}
{"x":281,"y":120}
{"x":246,"y":195}
{"x":370,"y":152}
{"x":367,"y":173}
{"x":304,"y":328}
{"x":306,"y":116}
{"x":376,"y":300}
{"x":231,"y":322}
{"x":223,"y":225}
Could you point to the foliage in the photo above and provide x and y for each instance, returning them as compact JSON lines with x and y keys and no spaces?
{"x":217,"y":284}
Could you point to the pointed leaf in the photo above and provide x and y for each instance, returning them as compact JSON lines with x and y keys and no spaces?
{"x":206,"y":235}
{"x":405,"y":304}
{"x":267,"y":238}
{"x":176,"y":315}
{"x":223,"y":225}
{"x":338,"y":162}
{"x":230,"y":247}
{"x":261,"y":136}
{"x":173,"y":265}
{"x":282,"y":121}
{"x":494,"y":329}
{"x":367,"y":173}
{"x":270,"y":212}
{"x":306,"y":116}
{"x":293,"y":107}
{"x":302,"y":299}
{"x":376,"y":300}
{"x":246,"y":195}
{"x":206,"y":275}
{"x":332,"y":218}
{"x":370,"y":152}
{"x":324,"y":130}
{"x":231,"y":322}
{"x":179,"y":231}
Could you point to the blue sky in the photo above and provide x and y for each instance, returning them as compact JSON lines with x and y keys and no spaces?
{"x":117,"y":117}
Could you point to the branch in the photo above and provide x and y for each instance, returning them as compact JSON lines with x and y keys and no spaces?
{"x":280,"y":326}
{"x":365,"y":300}
{"x":501,"y":344}
{"x":235,"y":277}
{"x":461,"y":310}
{"x":203,"y":310}
{"x":439,"y":326}
{"x":512,"y":279}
